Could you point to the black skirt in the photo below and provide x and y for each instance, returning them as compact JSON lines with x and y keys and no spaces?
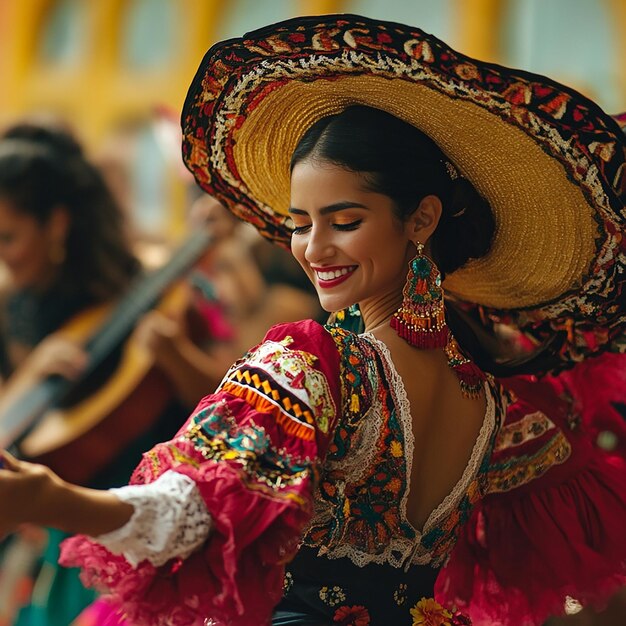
{"x":328,"y":592}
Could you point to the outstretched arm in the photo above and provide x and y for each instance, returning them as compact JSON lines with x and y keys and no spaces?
{"x":34,"y":493}
{"x":239,"y":477}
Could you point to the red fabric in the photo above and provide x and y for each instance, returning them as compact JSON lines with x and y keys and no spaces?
{"x":100,"y":613}
{"x":562,"y":534}
{"x":598,"y":386}
{"x":237,"y":578}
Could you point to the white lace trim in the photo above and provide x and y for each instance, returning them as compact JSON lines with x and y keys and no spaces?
{"x":364,"y":449}
{"x":402,"y":551}
{"x":401,"y":402}
{"x":170,"y":520}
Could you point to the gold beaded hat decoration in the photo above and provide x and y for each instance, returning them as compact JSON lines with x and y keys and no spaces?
{"x":549,"y":161}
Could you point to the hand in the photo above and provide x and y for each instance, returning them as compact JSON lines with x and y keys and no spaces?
{"x":57,"y":355}
{"x":26,"y":492}
{"x":159,"y":335}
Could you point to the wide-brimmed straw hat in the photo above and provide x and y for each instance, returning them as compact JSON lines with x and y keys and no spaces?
{"x":549,"y":161}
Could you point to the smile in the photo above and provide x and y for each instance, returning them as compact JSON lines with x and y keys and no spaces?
{"x":331,"y":276}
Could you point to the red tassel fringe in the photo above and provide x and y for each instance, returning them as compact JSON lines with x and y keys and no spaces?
{"x":423,"y":339}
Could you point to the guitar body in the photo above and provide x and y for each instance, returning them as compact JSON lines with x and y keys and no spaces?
{"x":97,"y":436}
{"x":80,"y":439}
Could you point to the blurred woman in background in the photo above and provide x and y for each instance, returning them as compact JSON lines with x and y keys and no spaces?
{"x":64,"y":247}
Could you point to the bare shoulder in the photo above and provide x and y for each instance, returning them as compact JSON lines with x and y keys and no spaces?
{"x":409,"y":361}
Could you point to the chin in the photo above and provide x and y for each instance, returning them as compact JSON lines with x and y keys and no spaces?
{"x":332,"y":305}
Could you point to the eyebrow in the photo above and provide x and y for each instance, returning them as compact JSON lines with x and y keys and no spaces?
{"x":332,"y":208}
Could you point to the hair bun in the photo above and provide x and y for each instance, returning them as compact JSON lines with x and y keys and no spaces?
{"x":466,"y":227}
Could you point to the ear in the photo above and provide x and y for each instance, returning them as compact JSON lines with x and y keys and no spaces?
{"x":424,"y":221}
{"x":58,"y":225}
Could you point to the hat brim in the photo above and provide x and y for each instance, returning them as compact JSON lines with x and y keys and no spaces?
{"x":548,"y":160}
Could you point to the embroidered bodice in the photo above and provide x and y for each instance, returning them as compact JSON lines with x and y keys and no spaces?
{"x":361,"y":500}
{"x":308,"y":439}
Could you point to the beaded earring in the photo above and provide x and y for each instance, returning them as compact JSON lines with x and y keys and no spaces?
{"x":421,"y":320}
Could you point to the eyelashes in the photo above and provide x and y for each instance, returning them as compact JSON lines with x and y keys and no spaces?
{"x":351,"y":226}
{"x":299,"y":230}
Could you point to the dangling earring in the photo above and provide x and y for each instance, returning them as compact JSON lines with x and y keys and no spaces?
{"x":421,"y":319}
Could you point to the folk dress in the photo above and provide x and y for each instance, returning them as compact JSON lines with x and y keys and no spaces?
{"x":282,"y":500}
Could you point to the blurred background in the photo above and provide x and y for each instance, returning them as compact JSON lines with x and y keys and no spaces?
{"x":118,"y":70}
{"x":112,"y":76}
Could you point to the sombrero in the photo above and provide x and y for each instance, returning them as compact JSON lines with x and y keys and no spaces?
{"x":549,"y":161}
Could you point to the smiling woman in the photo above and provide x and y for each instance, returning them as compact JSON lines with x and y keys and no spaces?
{"x":364,"y":159}
{"x":339,"y":245}
{"x":339,"y":477}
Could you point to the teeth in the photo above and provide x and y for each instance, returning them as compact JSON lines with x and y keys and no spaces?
{"x":335,"y":274}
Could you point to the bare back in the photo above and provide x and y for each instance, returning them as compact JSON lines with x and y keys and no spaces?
{"x":446,"y":424}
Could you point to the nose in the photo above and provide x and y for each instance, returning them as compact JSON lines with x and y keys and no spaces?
{"x":319,"y":247}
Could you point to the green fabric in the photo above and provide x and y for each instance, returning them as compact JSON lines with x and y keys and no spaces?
{"x":348,"y":319}
{"x":58,"y":596}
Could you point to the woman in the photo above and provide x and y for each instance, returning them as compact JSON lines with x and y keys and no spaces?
{"x":296,"y":471}
{"x":63,"y":244}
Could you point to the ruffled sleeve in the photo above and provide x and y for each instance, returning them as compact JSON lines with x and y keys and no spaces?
{"x":550,"y":533}
{"x":252,"y":449}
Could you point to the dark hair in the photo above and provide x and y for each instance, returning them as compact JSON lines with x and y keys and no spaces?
{"x":398,"y":160}
{"x":42,"y":168}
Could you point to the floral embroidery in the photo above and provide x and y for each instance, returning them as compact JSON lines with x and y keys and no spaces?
{"x":396,"y":449}
{"x":352,"y":616}
{"x":428,"y":612}
{"x":399,"y":595}
{"x":332,"y":595}
{"x":521,"y":469}
{"x":286,"y":382}
{"x":529,"y":427}
{"x":217,"y":436}
{"x":359,"y":505}
{"x":287,"y":583}
{"x":357,"y":513}
{"x":529,"y":443}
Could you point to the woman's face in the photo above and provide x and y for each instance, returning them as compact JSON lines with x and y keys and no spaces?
{"x":25,"y":247}
{"x":346,"y":238}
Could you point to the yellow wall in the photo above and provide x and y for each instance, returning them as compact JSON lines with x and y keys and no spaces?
{"x":99,"y":92}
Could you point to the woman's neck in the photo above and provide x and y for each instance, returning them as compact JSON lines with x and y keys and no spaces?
{"x":377,"y":313}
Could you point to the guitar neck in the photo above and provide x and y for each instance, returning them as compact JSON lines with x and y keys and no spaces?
{"x":143,"y":294}
{"x":18,"y":420}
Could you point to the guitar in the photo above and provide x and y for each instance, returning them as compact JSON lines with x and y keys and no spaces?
{"x":77,"y":427}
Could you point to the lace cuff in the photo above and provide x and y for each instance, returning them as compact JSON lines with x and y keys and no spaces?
{"x":170,"y":520}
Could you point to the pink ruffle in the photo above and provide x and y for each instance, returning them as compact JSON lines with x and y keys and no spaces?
{"x":598,"y":386}
{"x":100,"y":613}
{"x":525,"y":551}
{"x":519,"y":559}
{"x":236,"y":579}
